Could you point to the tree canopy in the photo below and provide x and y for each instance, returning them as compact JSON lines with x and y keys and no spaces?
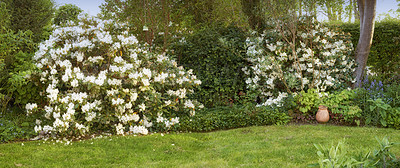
{"x":32,"y":15}
{"x":67,"y":12}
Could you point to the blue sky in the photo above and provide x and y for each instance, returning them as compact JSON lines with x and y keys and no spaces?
{"x":92,"y":6}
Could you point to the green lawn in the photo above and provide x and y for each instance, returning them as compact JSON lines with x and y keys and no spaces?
{"x":269,"y":146}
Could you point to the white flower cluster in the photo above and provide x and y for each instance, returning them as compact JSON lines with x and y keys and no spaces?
{"x":96,"y":76}
{"x":319,"y":58}
{"x":168,"y":123}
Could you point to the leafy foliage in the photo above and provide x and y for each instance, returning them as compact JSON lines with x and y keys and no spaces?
{"x":384,"y":58}
{"x":334,"y":157}
{"x":343,"y":110}
{"x":309,"y":101}
{"x":33,"y":15}
{"x":16,"y":128}
{"x":4,"y":18}
{"x":379,"y":103}
{"x":67,"y":12}
{"x":16,"y":49}
{"x":167,"y":19}
{"x":216,"y":56}
{"x":224,"y":117}
{"x":343,"y":107}
{"x":339,"y":157}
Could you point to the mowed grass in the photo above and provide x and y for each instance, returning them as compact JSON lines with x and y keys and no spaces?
{"x":268,"y":146}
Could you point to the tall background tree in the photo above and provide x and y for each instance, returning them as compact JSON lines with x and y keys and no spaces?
{"x":33,"y":15}
{"x":253,"y":10}
{"x":23,"y":23}
{"x":150,"y":19}
{"x":398,"y":10}
{"x":367,"y":10}
{"x":4,"y":17}
{"x":67,"y":12}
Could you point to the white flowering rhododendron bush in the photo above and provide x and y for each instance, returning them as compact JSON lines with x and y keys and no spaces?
{"x":95,"y":77}
{"x":286,"y":62}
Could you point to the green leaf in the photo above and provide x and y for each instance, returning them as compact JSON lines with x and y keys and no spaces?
{"x":383,"y":122}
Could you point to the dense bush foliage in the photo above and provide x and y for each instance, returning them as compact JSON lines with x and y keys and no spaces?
{"x":226,"y":117}
{"x":216,"y":56}
{"x":95,"y":77}
{"x":33,"y":15}
{"x":65,"y":13}
{"x":4,"y":17}
{"x":286,"y":62}
{"x":16,"y":50}
{"x":384,"y":58}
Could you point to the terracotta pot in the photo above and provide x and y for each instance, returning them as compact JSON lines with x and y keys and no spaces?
{"x":322,"y":114}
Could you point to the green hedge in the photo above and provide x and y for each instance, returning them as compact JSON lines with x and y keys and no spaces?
{"x":221,"y":118}
{"x":384,"y":58}
{"x":216,"y":55}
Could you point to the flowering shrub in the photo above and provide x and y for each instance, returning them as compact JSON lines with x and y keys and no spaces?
{"x":291,"y":61}
{"x":95,"y":77}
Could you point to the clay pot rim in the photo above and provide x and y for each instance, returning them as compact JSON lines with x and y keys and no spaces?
{"x":322,"y":107}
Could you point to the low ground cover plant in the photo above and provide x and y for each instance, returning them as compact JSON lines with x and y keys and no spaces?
{"x":238,"y":116}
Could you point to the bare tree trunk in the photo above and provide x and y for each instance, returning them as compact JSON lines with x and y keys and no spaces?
{"x":367,"y":10}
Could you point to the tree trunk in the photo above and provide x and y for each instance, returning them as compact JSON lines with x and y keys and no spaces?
{"x":367,"y":23}
{"x":251,"y":9}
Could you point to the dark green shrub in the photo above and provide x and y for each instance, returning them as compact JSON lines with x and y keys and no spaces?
{"x":220,"y":118}
{"x":15,"y":126}
{"x":33,"y":15}
{"x":4,"y":18}
{"x":384,"y":58}
{"x":16,"y":50}
{"x":216,"y":56}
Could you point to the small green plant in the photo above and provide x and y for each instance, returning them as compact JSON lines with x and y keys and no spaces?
{"x":337,"y":156}
{"x":381,"y":108}
{"x":309,"y":101}
{"x":342,"y":103}
{"x":334,"y":157}
{"x":382,"y":157}
{"x":393,"y":118}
